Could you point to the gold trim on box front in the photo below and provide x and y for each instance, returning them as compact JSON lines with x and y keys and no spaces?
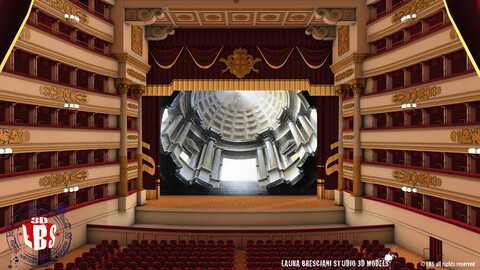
{"x":13,"y":136}
{"x":65,"y":178}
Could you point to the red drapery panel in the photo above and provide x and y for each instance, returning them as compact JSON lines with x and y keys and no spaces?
{"x":327,"y":125}
{"x":82,"y":78}
{"x":151,"y":136}
{"x":22,"y":61}
{"x":179,"y":56}
{"x":465,"y":15}
{"x":14,"y":15}
{"x":44,"y":68}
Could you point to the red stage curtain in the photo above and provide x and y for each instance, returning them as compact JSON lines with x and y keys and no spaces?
{"x":327,"y":125}
{"x":314,"y":58}
{"x":465,"y":15}
{"x":165,"y":58}
{"x":204,"y":58}
{"x":13,"y":14}
{"x":275,"y":58}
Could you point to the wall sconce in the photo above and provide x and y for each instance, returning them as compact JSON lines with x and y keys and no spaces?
{"x":407,"y":189}
{"x":474,"y":152}
{"x":72,"y":18}
{"x":5,"y":152}
{"x":71,"y":190}
{"x":409,"y":106}
{"x":408,"y":18}
{"x":71,"y":106}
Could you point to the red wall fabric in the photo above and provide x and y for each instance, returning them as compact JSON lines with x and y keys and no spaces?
{"x":327,"y":134}
{"x":151,"y":135}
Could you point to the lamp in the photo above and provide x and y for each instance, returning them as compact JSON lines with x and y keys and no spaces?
{"x":409,"y":106}
{"x":5,"y":152}
{"x":71,"y":106}
{"x":474,"y":152}
{"x":72,"y":189}
{"x":72,"y":18}
{"x":408,"y":18}
{"x":407,"y":189}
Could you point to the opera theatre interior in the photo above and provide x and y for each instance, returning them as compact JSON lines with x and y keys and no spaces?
{"x":239,"y":134}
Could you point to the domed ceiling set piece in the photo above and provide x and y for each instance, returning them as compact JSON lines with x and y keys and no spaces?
{"x":276,"y":128}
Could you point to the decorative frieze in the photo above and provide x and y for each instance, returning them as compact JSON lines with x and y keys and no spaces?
{"x":60,"y":179}
{"x":132,"y":137}
{"x":423,"y":179}
{"x":136,"y":75}
{"x":343,"y":39}
{"x":65,"y":7}
{"x":68,"y":96}
{"x":13,"y":136}
{"x":132,"y":168}
{"x":348,"y":137}
{"x":466,"y":136}
{"x":25,"y":34}
{"x":453,"y":34}
{"x":348,"y":106}
{"x":412,"y":8}
{"x":348,"y":168}
{"x":137,"y":39}
{"x":344,"y":75}
{"x":132,"y":106}
{"x":422,"y":93}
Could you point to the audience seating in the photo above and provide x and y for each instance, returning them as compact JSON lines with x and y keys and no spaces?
{"x":156,"y":255}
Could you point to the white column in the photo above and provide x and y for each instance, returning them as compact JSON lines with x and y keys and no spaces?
{"x":216,"y":163}
{"x":173,"y":126}
{"x":261,"y":163}
{"x":207,"y":159}
{"x":272,"y":160}
{"x":183,"y":135}
{"x":306,"y":124}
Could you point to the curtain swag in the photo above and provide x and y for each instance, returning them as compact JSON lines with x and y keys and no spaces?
{"x":274,"y":58}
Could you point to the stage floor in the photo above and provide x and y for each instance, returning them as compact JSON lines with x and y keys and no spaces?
{"x":239,"y":202}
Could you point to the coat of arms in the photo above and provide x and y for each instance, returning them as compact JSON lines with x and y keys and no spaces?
{"x":240,"y":63}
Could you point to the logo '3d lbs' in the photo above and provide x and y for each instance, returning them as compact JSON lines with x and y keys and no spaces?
{"x":39,"y":234}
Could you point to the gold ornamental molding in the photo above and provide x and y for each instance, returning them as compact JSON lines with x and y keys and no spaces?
{"x":240,"y":63}
{"x":132,"y":137}
{"x":13,"y":136}
{"x":25,"y":34}
{"x":453,"y":34}
{"x":348,"y":168}
{"x":423,"y":93}
{"x":244,"y":85}
{"x":344,"y":75}
{"x":132,"y":168}
{"x":136,"y":75}
{"x":466,"y":136}
{"x":60,"y":179}
{"x":69,"y":96}
{"x":348,"y":137}
{"x":137,"y":39}
{"x":414,"y":7}
{"x":348,"y":106}
{"x":423,"y":179}
{"x":132,"y":106}
{"x":343,"y":39}
{"x":65,"y":7}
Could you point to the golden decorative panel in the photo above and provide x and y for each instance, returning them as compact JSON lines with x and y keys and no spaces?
{"x":132,"y":106}
{"x":240,"y":63}
{"x":348,"y":168}
{"x":66,"y":7}
{"x":422,"y":93}
{"x":423,"y":179}
{"x":13,"y":136}
{"x":25,"y":34}
{"x":348,"y":106}
{"x":347,"y":73}
{"x":132,"y":137}
{"x":132,"y":168}
{"x":414,"y":7}
{"x":137,"y":39}
{"x":136,"y":75}
{"x":348,"y":137}
{"x":343,"y":39}
{"x":68,"y":96}
{"x":466,"y":136}
{"x":58,"y":179}
{"x":453,"y":34}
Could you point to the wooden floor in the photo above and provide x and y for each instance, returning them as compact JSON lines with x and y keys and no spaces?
{"x":240,"y":259}
{"x":239,"y":202}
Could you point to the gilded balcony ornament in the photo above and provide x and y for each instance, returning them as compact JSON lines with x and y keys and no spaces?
{"x":64,"y":95}
{"x":412,"y":8}
{"x":422,"y":179}
{"x":422,"y":93}
{"x":136,"y":75}
{"x":348,"y":137}
{"x":344,"y":75}
{"x":25,"y":34}
{"x":343,"y":39}
{"x":68,"y":8}
{"x":65,"y":178}
{"x":348,"y":168}
{"x":137,"y":39}
{"x":13,"y":136}
{"x":132,"y":106}
{"x":348,"y":106}
{"x":132,"y":137}
{"x":466,"y":136}
{"x":240,"y":63}
{"x":132,"y":168}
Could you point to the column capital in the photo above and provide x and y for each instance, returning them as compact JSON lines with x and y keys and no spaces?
{"x":285,"y":116}
{"x":138,"y":90}
{"x":266,"y":135}
{"x":357,"y":85}
{"x":342,"y":90}
{"x":122,"y":85}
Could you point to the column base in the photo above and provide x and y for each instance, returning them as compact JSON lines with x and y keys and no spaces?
{"x":122,"y":204}
{"x":151,"y":194}
{"x":141,"y":197}
{"x":338,"y":197}
{"x":356,"y":204}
